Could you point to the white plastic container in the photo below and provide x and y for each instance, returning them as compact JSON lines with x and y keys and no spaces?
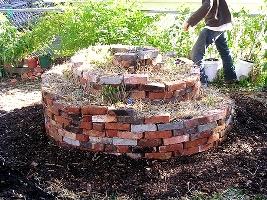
{"x":243,"y":68}
{"x":211,"y":68}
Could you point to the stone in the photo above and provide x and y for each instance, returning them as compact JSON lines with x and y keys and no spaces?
{"x":171,"y":126}
{"x":111,"y":80}
{"x":206,"y":127}
{"x":102,"y":140}
{"x":104,"y":118}
{"x":120,"y":141}
{"x":143,"y":128}
{"x":71,"y":141}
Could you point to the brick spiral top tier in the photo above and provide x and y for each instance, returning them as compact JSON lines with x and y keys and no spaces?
{"x":139,"y":70}
{"x":114,"y":107}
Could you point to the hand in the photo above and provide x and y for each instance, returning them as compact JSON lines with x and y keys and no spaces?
{"x":186,"y":26}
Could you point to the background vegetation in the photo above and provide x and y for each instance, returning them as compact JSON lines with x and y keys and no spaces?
{"x":90,"y":23}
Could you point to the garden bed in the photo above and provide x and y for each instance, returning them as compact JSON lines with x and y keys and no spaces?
{"x":96,"y":110}
{"x":33,"y":167}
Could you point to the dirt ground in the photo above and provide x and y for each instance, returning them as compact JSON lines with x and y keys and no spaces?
{"x":32,"y":167}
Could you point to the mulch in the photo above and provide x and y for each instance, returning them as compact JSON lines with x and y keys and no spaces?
{"x":33,"y":167}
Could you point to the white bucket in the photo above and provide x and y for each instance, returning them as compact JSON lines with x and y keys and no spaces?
{"x":211,"y":69}
{"x":243,"y":68}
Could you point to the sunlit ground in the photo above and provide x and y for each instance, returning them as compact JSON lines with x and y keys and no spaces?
{"x":19,"y":95}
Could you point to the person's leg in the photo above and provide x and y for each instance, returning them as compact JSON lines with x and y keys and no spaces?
{"x":228,"y":66}
{"x":206,"y":37}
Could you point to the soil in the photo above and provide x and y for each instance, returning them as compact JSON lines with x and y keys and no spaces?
{"x":33,"y":167}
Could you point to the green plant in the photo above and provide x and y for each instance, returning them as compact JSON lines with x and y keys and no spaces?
{"x":91,"y":23}
{"x":113,"y":95}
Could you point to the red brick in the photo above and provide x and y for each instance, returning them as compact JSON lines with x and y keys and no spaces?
{"x":64,"y":114}
{"x":62,"y":120}
{"x":160,"y":95}
{"x":97,"y":147}
{"x":49,"y":102}
{"x":83,"y":81}
{"x":104,"y":118}
{"x":206,"y":147}
{"x":49,"y":113}
{"x":123,"y":149}
{"x":118,"y":126}
{"x":158,"y":134}
{"x":195,"y":143}
{"x":205,"y":134}
{"x":218,"y":114}
{"x":158,"y":156}
{"x":129,"y":135}
{"x":86,"y":125}
{"x":82,"y":137}
{"x":57,"y":137}
{"x":213,"y":138}
{"x":191,"y":81}
{"x":176,"y":139}
{"x":94,"y":133}
{"x":135,"y":79}
{"x":94,"y":110}
{"x":191,"y":123}
{"x":67,"y":134}
{"x":72,"y":109}
{"x":98,"y":126}
{"x":149,"y":142}
{"x":219,"y":129}
{"x":56,"y":124}
{"x":86,"y":118}
{"x":171,"y":147}
{"x":190,"y":151}
{"x":53,"y":110}
{"x":111,"y":133}
{"x":175,"y":85}
{"x":110,"y":148}
{"x":138,"y":94}
{"x":58,"y":105}
{"x":164,"y":118}
{"x":205,"y":119}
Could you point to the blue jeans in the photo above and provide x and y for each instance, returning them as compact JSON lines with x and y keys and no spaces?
{"x":206,"y":38}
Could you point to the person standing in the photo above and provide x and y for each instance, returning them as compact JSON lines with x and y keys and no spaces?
{"x":218,"y":20}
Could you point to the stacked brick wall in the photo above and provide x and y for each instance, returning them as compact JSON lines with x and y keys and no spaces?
{"x":102,"y":129}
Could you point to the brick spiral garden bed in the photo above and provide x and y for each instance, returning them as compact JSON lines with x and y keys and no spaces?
{"x":131,"y":103}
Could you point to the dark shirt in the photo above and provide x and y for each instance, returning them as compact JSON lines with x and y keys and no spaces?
{"x":215,"y":12}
